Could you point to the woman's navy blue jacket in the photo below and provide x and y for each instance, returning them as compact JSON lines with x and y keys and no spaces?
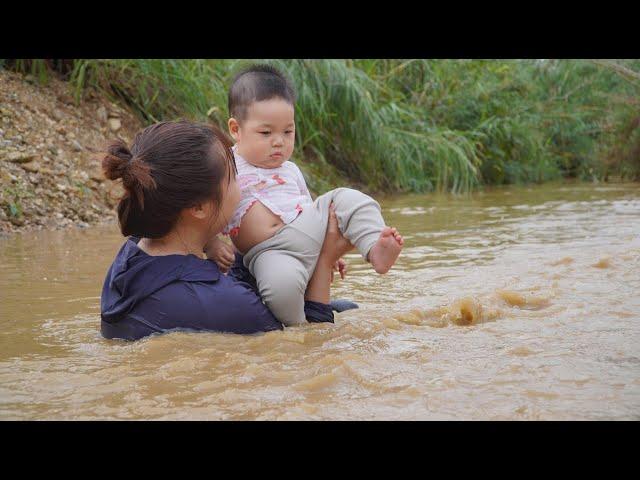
{"x":145,"y":294}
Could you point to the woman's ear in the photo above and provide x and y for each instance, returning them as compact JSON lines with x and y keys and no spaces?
{"x":234,"y":128}
{"x":200,"y":210}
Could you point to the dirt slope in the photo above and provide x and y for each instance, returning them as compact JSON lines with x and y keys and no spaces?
{"x":49,"y":176}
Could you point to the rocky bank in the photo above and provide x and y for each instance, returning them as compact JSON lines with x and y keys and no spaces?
{"x":50,"y":175}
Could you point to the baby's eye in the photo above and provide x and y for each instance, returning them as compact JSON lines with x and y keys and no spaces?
{"x":265,"y":133}
{"x":288,"y":132}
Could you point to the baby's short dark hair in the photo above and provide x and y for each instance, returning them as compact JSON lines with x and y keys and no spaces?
{"x":255,"y":84}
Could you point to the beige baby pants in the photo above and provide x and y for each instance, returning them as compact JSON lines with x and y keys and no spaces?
{"x":283,"y":264}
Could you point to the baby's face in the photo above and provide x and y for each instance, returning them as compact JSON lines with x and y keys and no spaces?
{"x":266,"y":137}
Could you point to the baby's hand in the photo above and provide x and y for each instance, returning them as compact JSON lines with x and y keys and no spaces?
{"x":221,"y":253}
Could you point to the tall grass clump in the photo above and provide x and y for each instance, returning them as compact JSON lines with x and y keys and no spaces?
{"x":410,"y":125}
{"x":157,"y":89}
{"x":346,"y":118}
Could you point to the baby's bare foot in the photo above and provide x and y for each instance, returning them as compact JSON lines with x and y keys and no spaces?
{"x":386,"y":250}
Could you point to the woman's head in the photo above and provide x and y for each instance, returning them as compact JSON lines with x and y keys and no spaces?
{"x":173,"y":168}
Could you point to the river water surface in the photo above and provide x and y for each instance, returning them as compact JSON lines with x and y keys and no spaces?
{"x":516,"y":303}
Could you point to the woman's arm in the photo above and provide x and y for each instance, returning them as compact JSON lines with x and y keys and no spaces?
{"x":334,"y":247}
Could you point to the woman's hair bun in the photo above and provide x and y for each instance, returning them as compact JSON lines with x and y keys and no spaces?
{"x":115,"y":160}
{"x":118,"y":162}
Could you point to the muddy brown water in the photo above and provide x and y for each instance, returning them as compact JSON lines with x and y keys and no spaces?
{"x":515,"y":303}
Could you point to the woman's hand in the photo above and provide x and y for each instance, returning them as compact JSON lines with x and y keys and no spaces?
{"x":335,"y":245}
{"x":221,"y":253}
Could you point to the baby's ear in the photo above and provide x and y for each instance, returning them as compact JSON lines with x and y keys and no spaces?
{"x":234,"y":128}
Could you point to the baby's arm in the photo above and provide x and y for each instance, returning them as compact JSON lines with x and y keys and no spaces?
{"x":220,"y":252}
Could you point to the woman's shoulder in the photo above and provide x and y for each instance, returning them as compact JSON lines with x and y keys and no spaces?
{"x":135,"y":275}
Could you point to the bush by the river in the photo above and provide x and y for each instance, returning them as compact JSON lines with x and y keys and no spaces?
{"x":410,"y":125}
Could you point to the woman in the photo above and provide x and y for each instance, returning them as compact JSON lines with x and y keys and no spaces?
{"x":180,"y":191}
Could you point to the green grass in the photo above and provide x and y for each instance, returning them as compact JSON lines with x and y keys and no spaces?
{"x":411,"y":125}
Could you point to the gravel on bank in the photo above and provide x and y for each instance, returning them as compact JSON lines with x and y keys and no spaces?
{"x":50,"y":175}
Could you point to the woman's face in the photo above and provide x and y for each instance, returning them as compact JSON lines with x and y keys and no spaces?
{"x":230,"y":199}
{"x":222,"y":213}
{"x":209,"y":218}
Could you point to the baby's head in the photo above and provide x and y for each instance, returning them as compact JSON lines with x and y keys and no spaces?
{"x":261,"y":106}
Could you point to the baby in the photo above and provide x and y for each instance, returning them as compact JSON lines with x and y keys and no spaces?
{"x":277,"y":226}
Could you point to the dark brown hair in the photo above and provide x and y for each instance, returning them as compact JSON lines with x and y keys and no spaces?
{"x":170,"y":166}
{"x":255,"y":84}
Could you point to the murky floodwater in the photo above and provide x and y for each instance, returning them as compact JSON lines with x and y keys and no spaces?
{"x":520,"y":303}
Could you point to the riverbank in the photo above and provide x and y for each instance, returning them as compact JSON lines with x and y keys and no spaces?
{"x":379,"y":126}
{"x":49,"y":176}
